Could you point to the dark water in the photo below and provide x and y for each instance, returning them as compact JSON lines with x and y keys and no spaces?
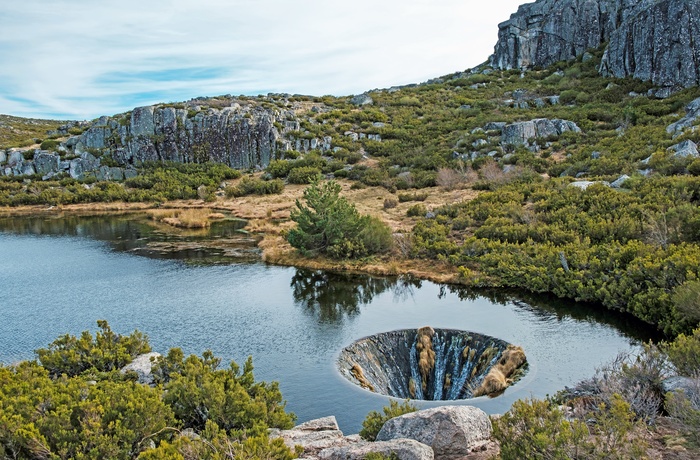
{"x":61,"y":276}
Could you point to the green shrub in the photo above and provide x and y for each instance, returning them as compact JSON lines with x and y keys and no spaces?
{"x":404,"y":197}
{"x":684,"y":353}
{"x":254,"y":186}
{"x":390,"y":203}
{"x":304,"y":175}
{"x":328,"y":224}
{"x":106,"y":352}
{"x":417,"y":210}
{"x":374,"y":421}
{"x":49,"y":144}
{"x":279,"y":168}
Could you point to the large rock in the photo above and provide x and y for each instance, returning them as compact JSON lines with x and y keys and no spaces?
{"x":142,"y":365}
{"x":451,"y":431}
{"x":403,"y":449}
{"x":520,"y":133}
{"x":692,"y":113}
{"x":648,"y":39}
{"x":45,"y":163}
{"x":685,"y":149}
{"x":313,"y":436}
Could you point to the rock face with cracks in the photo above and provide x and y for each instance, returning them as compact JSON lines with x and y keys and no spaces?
{"x":432,"y":364}
{"x":653,"y":40}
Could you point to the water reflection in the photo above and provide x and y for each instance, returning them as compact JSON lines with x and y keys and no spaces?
{"x":331,"y":297}
{"x":223,"y":242}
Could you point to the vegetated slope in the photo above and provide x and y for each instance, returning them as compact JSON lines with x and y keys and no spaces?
{"x":633,"y":248}
{"x":23,"y":132}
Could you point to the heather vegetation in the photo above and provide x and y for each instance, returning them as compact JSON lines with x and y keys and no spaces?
{"x":74,"y":403}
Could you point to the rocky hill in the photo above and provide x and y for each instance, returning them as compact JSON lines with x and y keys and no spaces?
{"x":647,"y":39}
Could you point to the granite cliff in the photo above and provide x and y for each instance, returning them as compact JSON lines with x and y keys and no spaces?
{"x":647,"y":39}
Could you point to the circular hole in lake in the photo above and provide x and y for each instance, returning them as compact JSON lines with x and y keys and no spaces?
{"x":433,"y":364}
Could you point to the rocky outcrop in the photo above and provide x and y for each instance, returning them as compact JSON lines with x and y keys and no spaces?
{"x":49,"y":164}
{"x":523,"y":132}
{"x":647,"y":39}
{"x":660,"y":43}
{"x":239,"y":136}
{"x":451,"y":431}
{"x":684,"y":149}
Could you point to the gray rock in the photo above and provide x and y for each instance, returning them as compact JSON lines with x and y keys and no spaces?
{"x":15,"y":159}
{"x":479,"y":143}
{"x":320,"y":424}
{"x":403,"y":449}
{"x":142,"y":365}
{"x":27,"y":169}
{"x":678,"y":383}
{"x":685,"y":149}
{"x":595,"y":155}
{"x":46,"y":163}
{"x":584,"y":184}
{"x":692,"y":113}
{"x":644,"y":37}
{"x":617,"y":183}
{"x":451,"y":431}
{"x":520,"y":133}
{"x":494,"y":126}
{"x":362,"y":99}
{"x":3,"y":157}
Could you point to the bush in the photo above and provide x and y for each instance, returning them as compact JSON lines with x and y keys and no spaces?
{"x":390,"y":203}
{"x":49,"y":144}
{"x":107,"y":352}
{"x":329,"y":224}
{"x":684,"y":353}
{"x":374,"y":421}
{"x":417,"y":210}
{"x":684,"y":408}
{"x":255,"y":186}
{"x":304,"y":175}
{"x":404,"y":197}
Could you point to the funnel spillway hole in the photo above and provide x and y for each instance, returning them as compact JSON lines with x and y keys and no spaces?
{"x":432,"y":364}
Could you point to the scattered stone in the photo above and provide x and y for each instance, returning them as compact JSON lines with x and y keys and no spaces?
{"x":520,"y":133}
{"x":678,"y":383}
{"x":595,"y":155}
{"x":451,"y":431}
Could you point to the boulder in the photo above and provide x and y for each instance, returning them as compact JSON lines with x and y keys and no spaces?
{"x":617,"y":183}
{"x":313,"y":436}
{"x":451,"y":431}
{"x":142,"y":365}
{"x":46,"y":163}
{"x":520,"y":133}
{"x":678,"y":383}
{"x":362,"y":99}
{"x":15,"y":159}
{"x":685,"y":149}
{"x":3,"y":157}
{"x":403,"y":449}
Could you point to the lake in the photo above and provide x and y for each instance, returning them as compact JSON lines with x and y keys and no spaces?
{"x":190,"y":290}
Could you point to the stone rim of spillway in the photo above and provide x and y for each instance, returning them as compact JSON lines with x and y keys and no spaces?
{"x":432,"y":364}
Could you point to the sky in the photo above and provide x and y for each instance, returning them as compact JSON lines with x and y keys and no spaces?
{"x":79,"y":59}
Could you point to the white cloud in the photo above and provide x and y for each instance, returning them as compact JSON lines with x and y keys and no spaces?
{"x":80,"y":59}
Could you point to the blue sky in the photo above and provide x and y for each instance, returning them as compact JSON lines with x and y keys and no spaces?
{"x":79,"y":59}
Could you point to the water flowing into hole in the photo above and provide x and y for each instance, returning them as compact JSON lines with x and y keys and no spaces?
{"x":432,"y":364}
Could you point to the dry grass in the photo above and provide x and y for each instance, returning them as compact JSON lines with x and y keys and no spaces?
{"x":499,"y":377}
{"x":357,"y":372}
{"x":426,"y":354}
{"x":185,"y":218}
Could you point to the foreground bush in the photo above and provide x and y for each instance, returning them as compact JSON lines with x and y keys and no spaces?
{"x":255,"y":186}
{"x":196,"y":411}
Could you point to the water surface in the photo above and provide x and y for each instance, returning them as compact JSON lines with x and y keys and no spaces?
{"x":293,"y":322}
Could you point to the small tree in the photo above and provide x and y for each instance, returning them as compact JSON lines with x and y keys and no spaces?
{"x":329,"y":224}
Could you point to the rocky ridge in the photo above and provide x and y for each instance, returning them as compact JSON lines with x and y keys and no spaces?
{"x":647,"y":39}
